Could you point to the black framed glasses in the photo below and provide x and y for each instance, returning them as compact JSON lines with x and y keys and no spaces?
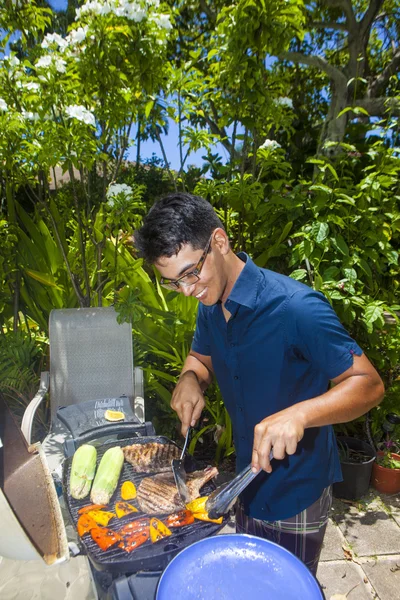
{"x":191,"y":277}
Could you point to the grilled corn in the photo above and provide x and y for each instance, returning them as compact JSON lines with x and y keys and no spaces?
{"x":82,"y":471}
{"x":107,"y":475}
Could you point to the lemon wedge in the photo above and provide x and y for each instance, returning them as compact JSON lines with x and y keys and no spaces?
{"x":114,"y":415}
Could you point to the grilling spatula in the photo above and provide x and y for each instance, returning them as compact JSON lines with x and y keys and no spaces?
{"x":178,"y":469}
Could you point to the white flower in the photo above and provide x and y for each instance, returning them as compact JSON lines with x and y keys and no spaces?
{"x":13,"y":61}
{"x":162,"y":21}
{"x":76,"y":36}
{"x":270,"y":145}
{"x":30,"y":115}
{"x":80,"y":113}
{"x":3,"y":105}
{"x":54,"y":38}
{"x":134,"y":13}
{"x":61,"y":65}
{"x":284,"y":102}
{"x":31,"y":86}
{"x":117,"y":189}
{"x":44,"y":61}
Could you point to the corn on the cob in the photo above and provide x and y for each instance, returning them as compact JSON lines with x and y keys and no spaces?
{"x":107,"y":475}
{"x":82,"y":471}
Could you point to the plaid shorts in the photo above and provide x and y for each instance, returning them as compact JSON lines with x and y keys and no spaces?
{"x":302,"y":534}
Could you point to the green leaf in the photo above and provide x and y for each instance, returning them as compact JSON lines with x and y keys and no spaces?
{"x":341,"y":245}
{"x":298,"y":274}
{"x":148,"y":108}
{"x":44,"y":278}
{"x":320,"y":231}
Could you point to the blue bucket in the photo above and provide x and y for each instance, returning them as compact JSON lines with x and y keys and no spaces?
{"x":237,"y":567}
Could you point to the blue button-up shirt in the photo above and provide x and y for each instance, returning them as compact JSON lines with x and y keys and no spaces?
{"x":282,"y":345}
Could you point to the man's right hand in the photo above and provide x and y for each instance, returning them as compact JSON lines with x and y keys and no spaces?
{"x":188,"y":400}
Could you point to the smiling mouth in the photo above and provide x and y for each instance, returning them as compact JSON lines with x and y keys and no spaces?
{"x":201,"y":294}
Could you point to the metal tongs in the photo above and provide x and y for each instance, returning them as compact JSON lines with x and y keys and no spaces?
{"x":178,"y":469}
{"x":221,"y":500}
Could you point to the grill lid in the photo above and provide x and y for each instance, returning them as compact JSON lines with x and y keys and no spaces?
{"x":31,"y":524}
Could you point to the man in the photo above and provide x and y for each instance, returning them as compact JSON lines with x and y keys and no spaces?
{"x":275,"y":346}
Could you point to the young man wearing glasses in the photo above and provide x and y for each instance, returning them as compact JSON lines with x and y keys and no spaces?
{"x":274,"y":345}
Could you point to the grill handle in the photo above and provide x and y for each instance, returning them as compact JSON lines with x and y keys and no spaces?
{"x":128,"y":429}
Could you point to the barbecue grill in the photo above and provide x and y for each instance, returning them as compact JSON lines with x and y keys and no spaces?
{"x":135,"y":571}
{"x":90,"y":357}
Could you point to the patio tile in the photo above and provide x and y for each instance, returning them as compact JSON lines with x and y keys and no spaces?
{"x":339,"y":577}
{"x":368,"y":528}
{"x":333,"y":541}
{"x":384,"y":575}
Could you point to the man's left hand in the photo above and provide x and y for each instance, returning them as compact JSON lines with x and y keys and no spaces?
{"x":280,"y":433}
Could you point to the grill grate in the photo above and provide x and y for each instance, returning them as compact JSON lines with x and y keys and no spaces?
{"x":148,"y":557}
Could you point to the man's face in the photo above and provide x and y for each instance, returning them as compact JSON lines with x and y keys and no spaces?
{"x":212,"y":280}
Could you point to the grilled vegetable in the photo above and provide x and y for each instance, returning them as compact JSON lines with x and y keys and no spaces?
{"x":107,"y":475}
{"x":82,"y":471}
{"x":85,"y":524}
{"x":124,"y":508}
{"x":128,"y":490}
{"x":179,"y":519}
{"x":158,"y":530}
{"x":90,"y":507}
{"x":104,"y":537}
{"x":198,"y":505}
{"x":102,"y":517}
{"x":134,"y":534}
{"x":203,"y":516}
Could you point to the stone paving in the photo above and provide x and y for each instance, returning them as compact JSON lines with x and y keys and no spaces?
{"x":360,"y":559}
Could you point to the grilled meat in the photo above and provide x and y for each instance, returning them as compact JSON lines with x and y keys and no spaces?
{"x":159,"y":495}
{"x":151,"y":458}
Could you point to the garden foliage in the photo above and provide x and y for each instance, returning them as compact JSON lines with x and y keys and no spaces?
{"x":294,"y":106}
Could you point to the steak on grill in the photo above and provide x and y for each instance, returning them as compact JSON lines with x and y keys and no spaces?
{"x":159,"y":495}
{"x":152,"y":457}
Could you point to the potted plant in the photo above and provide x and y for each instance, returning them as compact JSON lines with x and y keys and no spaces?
{"x":386,"y":472}
{"x":356,"y":459}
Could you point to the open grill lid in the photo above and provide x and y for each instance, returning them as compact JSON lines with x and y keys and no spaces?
{"x":31,"y":523}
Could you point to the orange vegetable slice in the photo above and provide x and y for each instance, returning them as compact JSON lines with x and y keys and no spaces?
{"x":102,"y":517}
{"x":179,"y":519}
{"x":86,"y":509}
{"x":104,"y":537}
{"x":158,"y":530}
{"x":128,"y":490}
{"x":203,"y":516}
{"x":124,"y":508}
{"x":85,"y":524}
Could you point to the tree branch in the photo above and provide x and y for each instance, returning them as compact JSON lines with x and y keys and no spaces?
{"x":347,"y":8}
{"x":378,"y":107}
{"x":329,"y":25}
{"x":315,"y":61}
{"x":381,"y":80}
{"x":369,"y":16}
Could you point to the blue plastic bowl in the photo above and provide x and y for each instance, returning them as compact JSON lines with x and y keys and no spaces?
{"x":237,"y":567}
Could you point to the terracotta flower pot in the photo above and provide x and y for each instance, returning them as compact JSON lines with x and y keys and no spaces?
{"x":386,"y":480}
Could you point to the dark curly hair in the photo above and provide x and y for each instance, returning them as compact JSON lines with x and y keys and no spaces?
{"x":177,"y":219}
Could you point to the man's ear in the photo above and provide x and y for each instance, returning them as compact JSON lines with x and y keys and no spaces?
{"x":221,"y":241}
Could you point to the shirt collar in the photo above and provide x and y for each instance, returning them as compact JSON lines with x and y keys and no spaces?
{"x":245,"y":289}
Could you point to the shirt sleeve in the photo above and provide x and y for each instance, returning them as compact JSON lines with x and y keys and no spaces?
{"x":313,"y":329}
{"x":201,"y":341}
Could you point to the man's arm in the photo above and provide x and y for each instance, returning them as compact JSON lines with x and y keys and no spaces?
{"x":187,"y":399}
{"x":356,"y":391}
